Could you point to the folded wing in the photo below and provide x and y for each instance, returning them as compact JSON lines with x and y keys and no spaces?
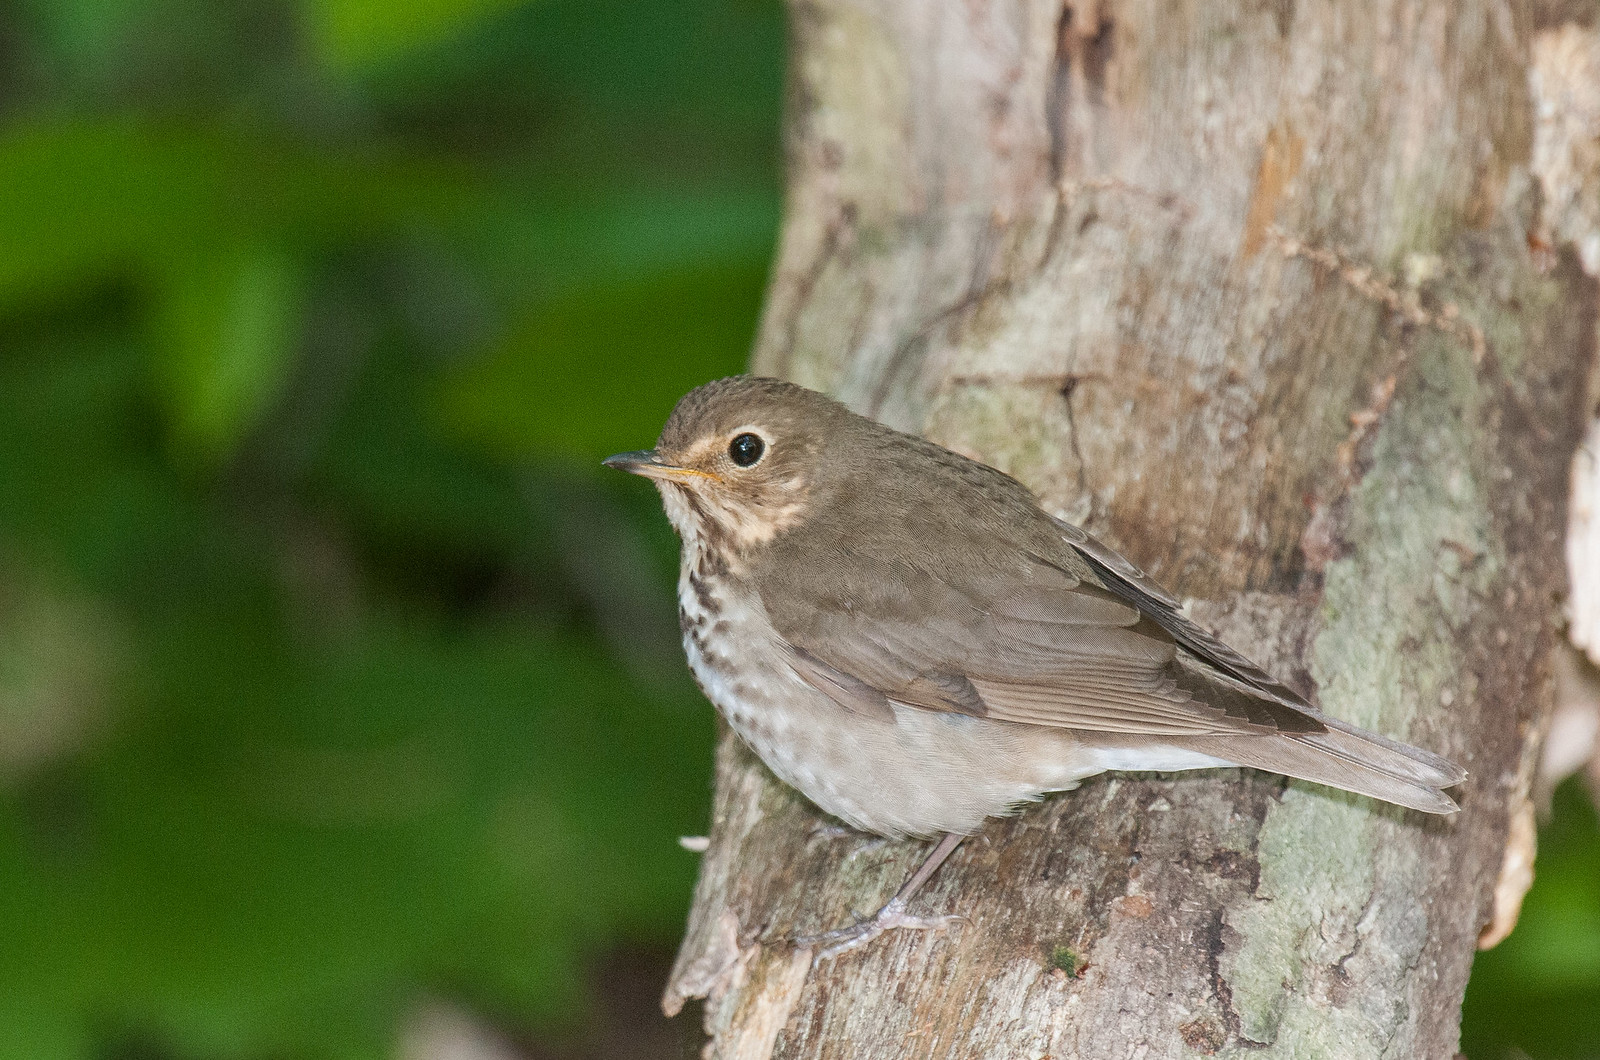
{"x":1039,"y":644}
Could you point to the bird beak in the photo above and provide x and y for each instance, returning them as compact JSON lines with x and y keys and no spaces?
{"x":645,"y":462}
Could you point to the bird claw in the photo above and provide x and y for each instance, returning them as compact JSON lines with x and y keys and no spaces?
{"x":892,"y":917}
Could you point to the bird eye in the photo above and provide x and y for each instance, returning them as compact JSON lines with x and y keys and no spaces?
{"x":746,"y":449}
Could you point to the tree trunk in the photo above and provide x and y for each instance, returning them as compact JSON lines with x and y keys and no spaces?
{"x":1253,"y":290}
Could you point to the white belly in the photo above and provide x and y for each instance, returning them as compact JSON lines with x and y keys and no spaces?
{"x":922,"y":773}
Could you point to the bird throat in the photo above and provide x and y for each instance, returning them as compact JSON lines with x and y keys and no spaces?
{"x":725,"y":527}
{"x":707,"y":538}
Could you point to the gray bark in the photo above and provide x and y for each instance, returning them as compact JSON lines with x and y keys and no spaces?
{"x":1248,"y":289}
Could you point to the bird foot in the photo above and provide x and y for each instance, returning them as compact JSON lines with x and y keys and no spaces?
{"x":824,"y":829}
{"x":892,"y":917}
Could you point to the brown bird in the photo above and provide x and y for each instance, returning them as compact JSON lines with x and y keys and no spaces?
{"x":905,"y":636}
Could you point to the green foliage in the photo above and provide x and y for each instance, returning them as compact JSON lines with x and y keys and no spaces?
{"x":132,"y":197}
{"x":227,"y":344}
{"x":634,"y":346}
{"x":314,"y":323}
{"x":1537,"y":994}
{"x":354,"y":32}
{"x":293,"y":826}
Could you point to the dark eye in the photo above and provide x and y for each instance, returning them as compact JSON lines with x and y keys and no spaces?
{"x":746,"y":449}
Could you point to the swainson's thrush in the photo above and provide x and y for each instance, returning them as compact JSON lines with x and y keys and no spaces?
{"x":905,"y":636}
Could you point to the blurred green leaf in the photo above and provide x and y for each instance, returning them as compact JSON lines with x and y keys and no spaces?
{"x":229,"y":324}
{"x":81,"y":201}
{"x":294,"y":831}
{"x":352,"y":33}
{"x":672,"y":76}
{"x":1537,"y":994}
{"x":627,"y":240}
{"x":348,"y":731}
{"x":597,"y":370}
{"x":421,"y":807}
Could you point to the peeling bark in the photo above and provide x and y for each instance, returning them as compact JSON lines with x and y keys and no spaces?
{"x":1583,"y":547}
{"x":1258,"y":293}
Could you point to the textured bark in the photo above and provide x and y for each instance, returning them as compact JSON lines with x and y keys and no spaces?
{"x":1258,"y":293}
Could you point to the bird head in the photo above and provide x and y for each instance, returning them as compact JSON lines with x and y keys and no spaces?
{"x":739,"y":460}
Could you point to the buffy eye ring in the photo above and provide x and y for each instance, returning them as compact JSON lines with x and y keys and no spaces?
{"x":746,"y":449}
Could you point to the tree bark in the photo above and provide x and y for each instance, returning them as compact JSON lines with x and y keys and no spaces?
{"x":1253,"y":290}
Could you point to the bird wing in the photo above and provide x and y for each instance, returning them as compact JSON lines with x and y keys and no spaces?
{"x":1027,"y":642}
{"x":1132,"y":584}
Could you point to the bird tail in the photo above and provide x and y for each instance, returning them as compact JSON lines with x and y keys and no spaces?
{"x":1343,"y":757}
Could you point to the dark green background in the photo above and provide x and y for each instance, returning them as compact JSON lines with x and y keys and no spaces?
{"x":336,"y":678}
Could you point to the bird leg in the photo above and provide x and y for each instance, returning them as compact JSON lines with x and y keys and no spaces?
{"x":893,"y":915}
